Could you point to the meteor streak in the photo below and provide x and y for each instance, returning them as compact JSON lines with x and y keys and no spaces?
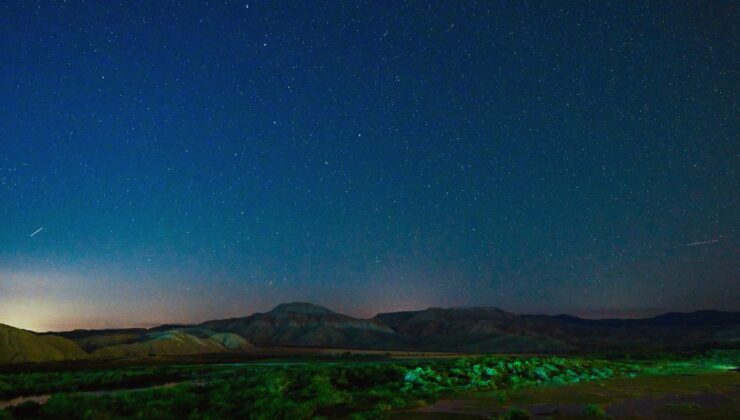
{"x":703,"y":242}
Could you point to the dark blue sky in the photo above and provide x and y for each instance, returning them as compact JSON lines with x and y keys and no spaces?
{"x":190,"y":160}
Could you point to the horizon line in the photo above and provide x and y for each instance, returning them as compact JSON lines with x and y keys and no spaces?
{"x":642,"y":313}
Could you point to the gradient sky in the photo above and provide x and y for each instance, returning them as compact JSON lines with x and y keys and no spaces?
{"x":190,"y":160}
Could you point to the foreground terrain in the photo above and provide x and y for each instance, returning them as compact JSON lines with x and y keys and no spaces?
{"x":380,"y":387}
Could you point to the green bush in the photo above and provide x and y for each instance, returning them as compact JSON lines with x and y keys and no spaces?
{"x":594,"y":410}
{"x":517,"y":414}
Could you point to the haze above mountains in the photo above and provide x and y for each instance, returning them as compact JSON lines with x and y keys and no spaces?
{"x":304,"y":325}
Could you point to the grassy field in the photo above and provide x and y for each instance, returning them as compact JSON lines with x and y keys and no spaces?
{"x":360,"y":387}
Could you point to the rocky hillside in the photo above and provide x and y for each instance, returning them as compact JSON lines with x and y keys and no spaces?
{"x":166,"y":340}
{"x":308,"y":325}
{"x":174,"y":342}
{"x":20,"y":346}
{"x":481,"y":329}
{"x":491,"y":329}
{"x":670,"y":330}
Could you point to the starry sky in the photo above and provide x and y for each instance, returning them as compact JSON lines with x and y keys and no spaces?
{"x":178,"y":161}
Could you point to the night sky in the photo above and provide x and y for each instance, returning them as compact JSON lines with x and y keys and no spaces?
{"x":183,"y":161}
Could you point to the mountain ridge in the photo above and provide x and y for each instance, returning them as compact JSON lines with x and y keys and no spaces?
{"x":476,"y":329}
{"x":82,"y":331}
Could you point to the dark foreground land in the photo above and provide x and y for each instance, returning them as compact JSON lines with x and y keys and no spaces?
{"x":700,"y":385}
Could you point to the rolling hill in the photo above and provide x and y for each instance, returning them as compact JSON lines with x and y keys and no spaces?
{"x":491,"y":329}
{"x":307,"y":325}
{"x":166,"y":340}
{"x":481,"y":329}
{"x":21,"y":346}
{"x":299,"y":324}
{"x":174,"y":342}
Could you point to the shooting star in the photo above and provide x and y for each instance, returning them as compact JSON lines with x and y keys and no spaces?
{"x":37,"y":231}
{"x":703,"y":242}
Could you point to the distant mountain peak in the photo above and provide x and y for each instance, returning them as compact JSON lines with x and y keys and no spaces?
{"x":303,"y":308}
{"x":489,"y":309}
{"x":457,"y":329}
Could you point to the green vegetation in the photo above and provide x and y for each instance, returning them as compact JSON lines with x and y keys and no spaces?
{"x":12,"y":385}
{"x":594,"y":410}
{"x":517,"y":414}
{"x":307,"y":390}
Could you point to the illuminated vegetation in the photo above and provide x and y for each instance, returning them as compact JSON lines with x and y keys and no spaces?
{"x":262,"y":391}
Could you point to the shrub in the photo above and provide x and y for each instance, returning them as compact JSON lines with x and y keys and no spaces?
{"x":517,"y":414}
{"x":594,"y":410}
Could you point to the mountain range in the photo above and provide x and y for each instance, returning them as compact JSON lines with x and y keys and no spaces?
{"x":305,"y":325}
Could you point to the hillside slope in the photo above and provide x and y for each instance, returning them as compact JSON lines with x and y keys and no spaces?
{"x":169,"y":343}
{"x":476,"y":329}
{"x":20,"y":346}
{"x":670,"y":330}
{"x":308,"y":325}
